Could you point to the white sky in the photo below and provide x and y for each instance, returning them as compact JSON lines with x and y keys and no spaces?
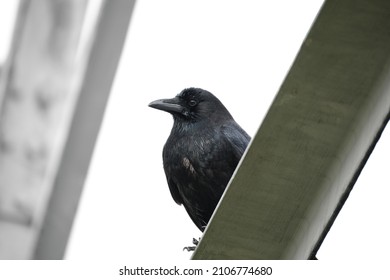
{"x":7,"y":18}
{"x":241,"y":52}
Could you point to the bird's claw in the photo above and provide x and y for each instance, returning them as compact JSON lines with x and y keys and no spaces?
{"x":189,"y":248}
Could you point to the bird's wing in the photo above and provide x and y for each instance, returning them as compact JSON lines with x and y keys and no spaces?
{"x":173,"y":189}
{"x":237,"y":138}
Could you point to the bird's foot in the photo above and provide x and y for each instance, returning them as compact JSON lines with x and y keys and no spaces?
{"x":192,"y":248}
{"x":195,"y":241}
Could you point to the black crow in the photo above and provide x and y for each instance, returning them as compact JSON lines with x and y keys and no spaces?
{"x":202,"y":151}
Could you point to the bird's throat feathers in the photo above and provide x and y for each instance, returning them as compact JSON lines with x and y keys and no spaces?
{"x":197,"y":127}
{"x":181,"y":126}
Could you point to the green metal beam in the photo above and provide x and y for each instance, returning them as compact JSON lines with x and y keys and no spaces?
{"x":314,"y":141}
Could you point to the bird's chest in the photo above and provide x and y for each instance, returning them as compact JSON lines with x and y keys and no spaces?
{"x":190,"y":154}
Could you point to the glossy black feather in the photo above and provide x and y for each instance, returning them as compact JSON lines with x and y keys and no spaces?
{"x":202,"y":151}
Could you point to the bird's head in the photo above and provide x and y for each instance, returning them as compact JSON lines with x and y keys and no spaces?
{"x":193,"y":104}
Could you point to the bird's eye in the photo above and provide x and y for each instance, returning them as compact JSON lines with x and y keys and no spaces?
{"x":192,"y":103}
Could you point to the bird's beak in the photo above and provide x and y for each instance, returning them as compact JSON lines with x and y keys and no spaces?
{"x":168,"y":105}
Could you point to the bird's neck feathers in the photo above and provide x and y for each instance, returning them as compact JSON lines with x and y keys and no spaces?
{"x":197,"y":125}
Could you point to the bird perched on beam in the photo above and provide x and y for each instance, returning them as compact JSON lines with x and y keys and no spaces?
{"x":202,"y":151}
